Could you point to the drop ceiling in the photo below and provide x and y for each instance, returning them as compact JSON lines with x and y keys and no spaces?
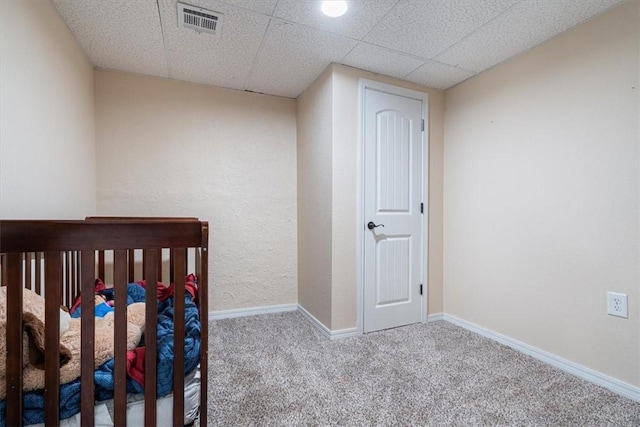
{"x":279,"y":47}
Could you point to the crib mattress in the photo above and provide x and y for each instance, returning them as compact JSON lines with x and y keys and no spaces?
{"x":104,"y":411}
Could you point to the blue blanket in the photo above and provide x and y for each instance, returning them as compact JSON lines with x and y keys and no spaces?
{"x":33,"y":402}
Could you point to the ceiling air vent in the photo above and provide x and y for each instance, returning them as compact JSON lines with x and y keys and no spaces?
{"x":200,"y":20}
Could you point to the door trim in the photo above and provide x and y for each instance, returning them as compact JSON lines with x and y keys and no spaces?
{"x":365,"y":84}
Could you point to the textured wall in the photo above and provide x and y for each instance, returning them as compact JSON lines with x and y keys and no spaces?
{"x":47,"y":154}
{"x":169,"y":148}
{"x":314,"y":134}
{"x":346,"y":181}
{"x":542,"y":192}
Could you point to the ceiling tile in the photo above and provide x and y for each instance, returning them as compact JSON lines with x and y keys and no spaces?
{"x":222,"y":60}
{"x":206,"y":68}
{"x":260,"y":6}
{"x":380,"y":60}
{"x":425,"y":28}
{"x":520,"y":28}
{"x":360,"y":18}
{"x":118,"y":34}
{"x":293,"y":56}
{"x":438,"y":76}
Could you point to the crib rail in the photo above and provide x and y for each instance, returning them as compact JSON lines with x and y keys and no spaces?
{"x":67,"y":256}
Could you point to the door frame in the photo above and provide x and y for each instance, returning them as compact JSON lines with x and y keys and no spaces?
{"x":365,"y":84}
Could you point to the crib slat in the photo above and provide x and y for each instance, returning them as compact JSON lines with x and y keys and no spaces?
{"x":120,"y":348}
{"x":132,"y":264}
{"x":53,"y":270}
{"x":101,"y":265}
{"x":38,"y":273}
{"x":68,"y":286}
{"x":172,"y":277}
{"x":150,"y":260}
{"x":66,"y":280}
{"x":203,"y":299}
{"x":87,"y":336}
{"x":75,"y":280}
{"x":160,"y":265}
{"x":12,"y":272}
{"x":198,"y":260}
{"x":27,"y":271}
{"x":178,"y":336}
{"x":3,"y":266}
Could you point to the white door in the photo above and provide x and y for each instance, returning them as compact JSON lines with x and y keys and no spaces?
{"x":393,"y":190}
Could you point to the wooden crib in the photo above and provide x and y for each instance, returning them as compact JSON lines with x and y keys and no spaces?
{"x":61,"y":261}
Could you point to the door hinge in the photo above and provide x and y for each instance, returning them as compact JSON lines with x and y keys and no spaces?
{"x":422,"y":125}
{"x":420,"y":289}
{"x":421,"y":208}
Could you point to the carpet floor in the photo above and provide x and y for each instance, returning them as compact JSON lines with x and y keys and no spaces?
{"x":278,"y":370}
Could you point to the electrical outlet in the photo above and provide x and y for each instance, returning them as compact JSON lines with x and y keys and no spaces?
{"x":617,"y":304}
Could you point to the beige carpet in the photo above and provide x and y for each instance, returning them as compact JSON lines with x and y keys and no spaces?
{"x":277,"y":370}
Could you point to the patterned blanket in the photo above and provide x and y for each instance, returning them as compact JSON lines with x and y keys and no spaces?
{"x":33,"y":402}
{"x":70,"y":345}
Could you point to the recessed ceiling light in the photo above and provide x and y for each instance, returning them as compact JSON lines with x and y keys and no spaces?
{"x":334,"y":8}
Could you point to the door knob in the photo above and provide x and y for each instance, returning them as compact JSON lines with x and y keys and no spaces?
{"x":371,"y":225}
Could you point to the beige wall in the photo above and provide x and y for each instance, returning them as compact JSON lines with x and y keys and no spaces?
{"x":169,"y":148}
{"x":542,"y":195}
{"x":314,"y":136}
{"x":47,"y":154}
{"x":328,"y":122}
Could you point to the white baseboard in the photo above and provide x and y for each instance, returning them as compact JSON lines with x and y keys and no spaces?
{"x":627,"y":390}
{"x":332,"y":335}
{"x":251,"y":311}
{"x":435,"y":317}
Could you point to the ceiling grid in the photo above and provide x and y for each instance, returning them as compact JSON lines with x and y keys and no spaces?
{"x":279,"y":47}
